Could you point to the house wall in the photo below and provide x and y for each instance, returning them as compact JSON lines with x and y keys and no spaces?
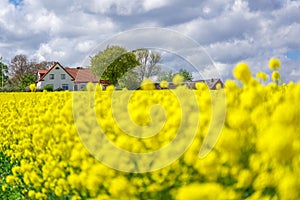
{"x":57,"y":82}
{"x":81,"y":86}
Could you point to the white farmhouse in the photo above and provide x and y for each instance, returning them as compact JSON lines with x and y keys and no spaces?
{"x":66,"y":78}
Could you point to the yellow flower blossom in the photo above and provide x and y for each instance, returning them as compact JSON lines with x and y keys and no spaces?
{"x":164,"y":84}
{"x":200,"y":191}
{"x":147,"y":84}
{"x":242,"y":72}
{"x":275,"y":76}
{"x":256,"y":155}
{"x":262,"y":76}
{"x":274,"y":63}
{"x":178,"y":79}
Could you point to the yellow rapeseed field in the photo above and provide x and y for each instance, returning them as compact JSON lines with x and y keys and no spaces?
{"x":50,"y":146}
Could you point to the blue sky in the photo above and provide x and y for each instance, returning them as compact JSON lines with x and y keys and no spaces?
{"x":15,"y":2}
{"x":294,"y":55}
{"x":230,"y":31}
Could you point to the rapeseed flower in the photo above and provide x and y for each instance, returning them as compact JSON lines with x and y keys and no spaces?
{"x":256,"y":156}
{"x":178,"y":79}
{"x":32,"y":87}
{"x":147,"y":84}
{"x":164,"y":84}
{"x":275,"y":76}
{"x":242,"y":72}
{"x":262,"y":76}
{"x":274,"y":63}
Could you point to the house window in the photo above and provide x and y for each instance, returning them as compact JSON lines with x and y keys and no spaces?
{"x":65,"y":86}
{"x":63,"y":76}
{"x":56,"y":68}
{"x":51,"y":76}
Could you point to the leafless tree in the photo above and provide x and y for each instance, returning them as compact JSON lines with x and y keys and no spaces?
{"x":20,"y":66}
{"x":149,"y":63}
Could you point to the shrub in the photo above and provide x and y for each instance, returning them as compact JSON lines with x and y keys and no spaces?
{"x":48,"y":87}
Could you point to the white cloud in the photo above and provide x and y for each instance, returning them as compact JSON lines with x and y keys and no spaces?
{"x":43,"y":21}
{"x":153,"y":4}
{"x":295,"y":73}
{"x":85,"y":46}
{"x":227,"y":26}
{"x":120,"y":7}
{"x":230,"y":31}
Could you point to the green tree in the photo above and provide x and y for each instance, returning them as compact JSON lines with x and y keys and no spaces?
{"x":3,"y":73}
{"x":130,"y":80}
{"x":112,"y":63}
{"x":185,"y":74}
{"x":149,"y":63}
{"x":27,"y":80}
{"x":20,"y":66}
{"x":166,"y":76}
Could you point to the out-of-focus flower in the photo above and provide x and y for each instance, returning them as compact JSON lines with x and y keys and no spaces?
{"x":178,"y":79}
{"x":147,"y":84}
{"x":242,"y":72}
{"x":262,"y":76}
{"x":274,"y":63}
{"x":275,"y":76}
{"x":164,"y":84}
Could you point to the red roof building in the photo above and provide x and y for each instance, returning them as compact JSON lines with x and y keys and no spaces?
{"x":65,"y":78}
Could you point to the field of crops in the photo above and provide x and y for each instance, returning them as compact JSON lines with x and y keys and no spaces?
{"x":63,"y":145}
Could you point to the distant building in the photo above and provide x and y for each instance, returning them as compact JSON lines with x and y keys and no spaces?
{"x":66,"y":78}
{"x":211,"y":84}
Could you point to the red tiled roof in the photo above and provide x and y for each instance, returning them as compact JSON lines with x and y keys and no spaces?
{"x":54,"y":64}
{"x":85,"y":75}
{"x":42,"y":71}
{"x":80,"y":75}
{"x":72,"y":72}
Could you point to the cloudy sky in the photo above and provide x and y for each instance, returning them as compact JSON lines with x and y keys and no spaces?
{"x":229,"y":31}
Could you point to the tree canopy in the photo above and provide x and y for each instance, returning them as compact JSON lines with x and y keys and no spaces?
{"x":130,"y":80}
{"x":3,"y":73}
{"x":20,"y":66}
{"x":187,"y":76}
{"x":22,"y":72}
{"x":112,"y":63}
{"x":168,"y":76}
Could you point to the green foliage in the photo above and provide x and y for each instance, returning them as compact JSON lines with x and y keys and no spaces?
{"x":104,"y":58}
{"x":112,"y":63}
{"x":23,"y":72}
{"x":166,"y":76}
{"x":185,"y":74}
{"x":48,"y":87}
{"x":3,"y":72}
{"x":119,"y":67}
{"x":7,"y":191}
{"x":26,"y":80}
{"x":130,"y":80}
